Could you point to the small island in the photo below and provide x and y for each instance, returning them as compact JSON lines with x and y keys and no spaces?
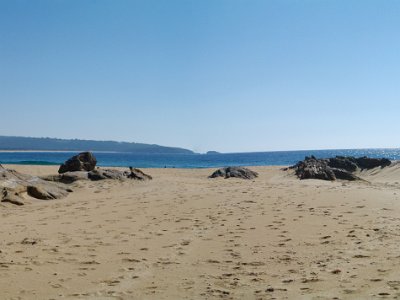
{"x":212,"y":152}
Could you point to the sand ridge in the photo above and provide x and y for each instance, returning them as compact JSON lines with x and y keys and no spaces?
{"x":185,"y":236}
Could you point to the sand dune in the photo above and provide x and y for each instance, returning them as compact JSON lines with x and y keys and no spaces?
{"x":184,"y":236}
{"x":389,"y":174}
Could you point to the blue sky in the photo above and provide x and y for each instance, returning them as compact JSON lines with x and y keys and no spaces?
{"x":223,"y":75}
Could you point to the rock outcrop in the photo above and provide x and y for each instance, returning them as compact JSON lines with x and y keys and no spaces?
{"x":351,"y":164}
{"x":14,"y":185}
{"x":339,"y":167}
{"x":342,"y":162}
{"x":82,"y":166}
{"x":99,"y":174}
{"x":237,"y":172}
{"x":312,"y":168}
{"x":138,"y":174}
{"x":84,"y":161}
{"x":367,"y":163}
{"x":102,"y":174}
{"x":68,"y":177}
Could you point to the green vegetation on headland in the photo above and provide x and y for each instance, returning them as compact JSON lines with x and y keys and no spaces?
{"x":53,"y":144}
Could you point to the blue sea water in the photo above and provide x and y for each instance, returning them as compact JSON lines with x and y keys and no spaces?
{"x":278,"y":158}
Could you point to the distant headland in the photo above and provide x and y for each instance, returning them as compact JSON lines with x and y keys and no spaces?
{"x":15,"y":143}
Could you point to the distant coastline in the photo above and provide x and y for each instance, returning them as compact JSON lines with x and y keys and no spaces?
{"x":42,"y":144}
{"x":55,"y":151}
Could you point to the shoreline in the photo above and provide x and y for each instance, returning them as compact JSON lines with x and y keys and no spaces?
{"x":178,"y":161}
{"x":18,"y":166}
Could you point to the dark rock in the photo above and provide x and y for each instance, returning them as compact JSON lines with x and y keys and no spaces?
{"x":339,"y":167}
{"x":138,"y":174}
{"x":238,"y":172}
{"x":312,"y":168}
{"x":344,"y":175}
{"x":344,"y":163}
{"x":371,"y":163}
{"x":351,"y":164}
{"x":13,"y":185}
{"x":84,"y":161}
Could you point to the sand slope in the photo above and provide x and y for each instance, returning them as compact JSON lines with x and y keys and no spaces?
{"x":184,"y":236}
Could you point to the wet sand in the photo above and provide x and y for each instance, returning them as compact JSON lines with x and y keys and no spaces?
{"x":184,"y":236}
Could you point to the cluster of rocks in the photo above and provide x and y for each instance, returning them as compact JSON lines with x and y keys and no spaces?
{"x":83,"y":167}
{"x":339,"y":167}
{"x":237,"y":172}
{"x":14,"y":186}
{"x":98,"y":174}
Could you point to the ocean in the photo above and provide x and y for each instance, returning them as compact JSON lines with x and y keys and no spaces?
{"x":276,"y":158}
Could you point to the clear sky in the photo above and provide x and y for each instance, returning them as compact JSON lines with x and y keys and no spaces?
{"x":225,"y":75}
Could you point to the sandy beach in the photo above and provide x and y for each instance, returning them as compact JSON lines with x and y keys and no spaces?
{"x":185,"y":236}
